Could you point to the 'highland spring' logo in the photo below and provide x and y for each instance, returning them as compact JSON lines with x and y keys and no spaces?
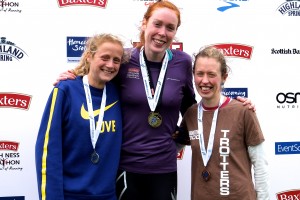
{"x":9,"y":51}
{"x":229,"y":5}
{"x":291,"y":8}
{"x":97,"y":3}
{"x":10,"y":6}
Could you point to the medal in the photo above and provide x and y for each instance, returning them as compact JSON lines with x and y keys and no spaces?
{"x":154,"y":119}
{"x":94,"y":131}
{"x":95,"y":157}
{"x":153,"y":94}
{"x":205,"y":174}
{"x":206,"y":153}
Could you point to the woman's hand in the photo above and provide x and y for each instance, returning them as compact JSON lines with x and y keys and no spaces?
{"x":65,"y":75}
{"x":181,"y":136}
{"x":246,"y":102}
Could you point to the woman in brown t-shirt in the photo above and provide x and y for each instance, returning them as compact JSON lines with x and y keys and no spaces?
{"x":225,"y":137}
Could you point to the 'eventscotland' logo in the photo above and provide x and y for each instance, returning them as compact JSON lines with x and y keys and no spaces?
{"x":9,"y":51}
{"x":287,"y":148}
{"x":229,"y":5}
{"x":291,"y":8}
{"x":235,"y":50}
{"x":97,"y":3}
{"x":288,"y":195}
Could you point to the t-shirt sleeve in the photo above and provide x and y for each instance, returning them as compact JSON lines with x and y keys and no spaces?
{"x":254,"y":134}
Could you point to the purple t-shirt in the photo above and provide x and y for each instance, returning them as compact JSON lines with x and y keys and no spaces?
{"x":146,"y":149}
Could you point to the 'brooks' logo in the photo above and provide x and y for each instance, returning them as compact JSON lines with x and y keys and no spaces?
{"x":224,"y":8}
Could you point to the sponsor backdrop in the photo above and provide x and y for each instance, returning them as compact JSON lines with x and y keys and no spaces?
{"x":260,"y":39}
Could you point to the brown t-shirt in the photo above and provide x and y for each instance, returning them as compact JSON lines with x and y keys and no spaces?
{"x":229,"y":164}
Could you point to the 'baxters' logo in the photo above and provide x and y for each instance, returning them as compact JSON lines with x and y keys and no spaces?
{"x":9,"y":146}
{"x":146,"y":2}
{"x":290,"y":194}
{"x":177,"y":45}
{"x":235,"y":50}
{"x":180,"y":154}
{"x":174,"y":45}
{"x":10,"y":161}
{"x":97,"y":3}
{"x":290,"y":7}
{"x":15,"y":100}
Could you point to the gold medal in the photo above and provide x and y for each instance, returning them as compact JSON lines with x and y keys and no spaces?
{"x":154,"y":119}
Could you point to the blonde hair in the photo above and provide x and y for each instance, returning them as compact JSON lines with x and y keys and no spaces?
{"x":91,"y":47}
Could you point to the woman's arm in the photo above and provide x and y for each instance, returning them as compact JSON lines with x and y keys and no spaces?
{"x":70,"y":74}
{"x":261,"y":175}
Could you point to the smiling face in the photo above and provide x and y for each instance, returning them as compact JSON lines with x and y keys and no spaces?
{"x":208,"y":80}
{"x":160,"y":30}
{"x":104,"y":63}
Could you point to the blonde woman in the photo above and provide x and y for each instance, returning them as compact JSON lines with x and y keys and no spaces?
{"x":80,"y":135}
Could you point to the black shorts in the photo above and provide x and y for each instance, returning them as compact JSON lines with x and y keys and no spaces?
{"x":132,"y":186}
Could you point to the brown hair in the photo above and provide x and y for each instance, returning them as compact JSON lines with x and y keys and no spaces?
{"x":213,"y":52}
{"x":151,"y":9}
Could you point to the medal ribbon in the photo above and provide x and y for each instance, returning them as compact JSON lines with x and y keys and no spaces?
{"x":207,"y":154}
{"x":153,"y":100}
{"x":94,"y":133}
